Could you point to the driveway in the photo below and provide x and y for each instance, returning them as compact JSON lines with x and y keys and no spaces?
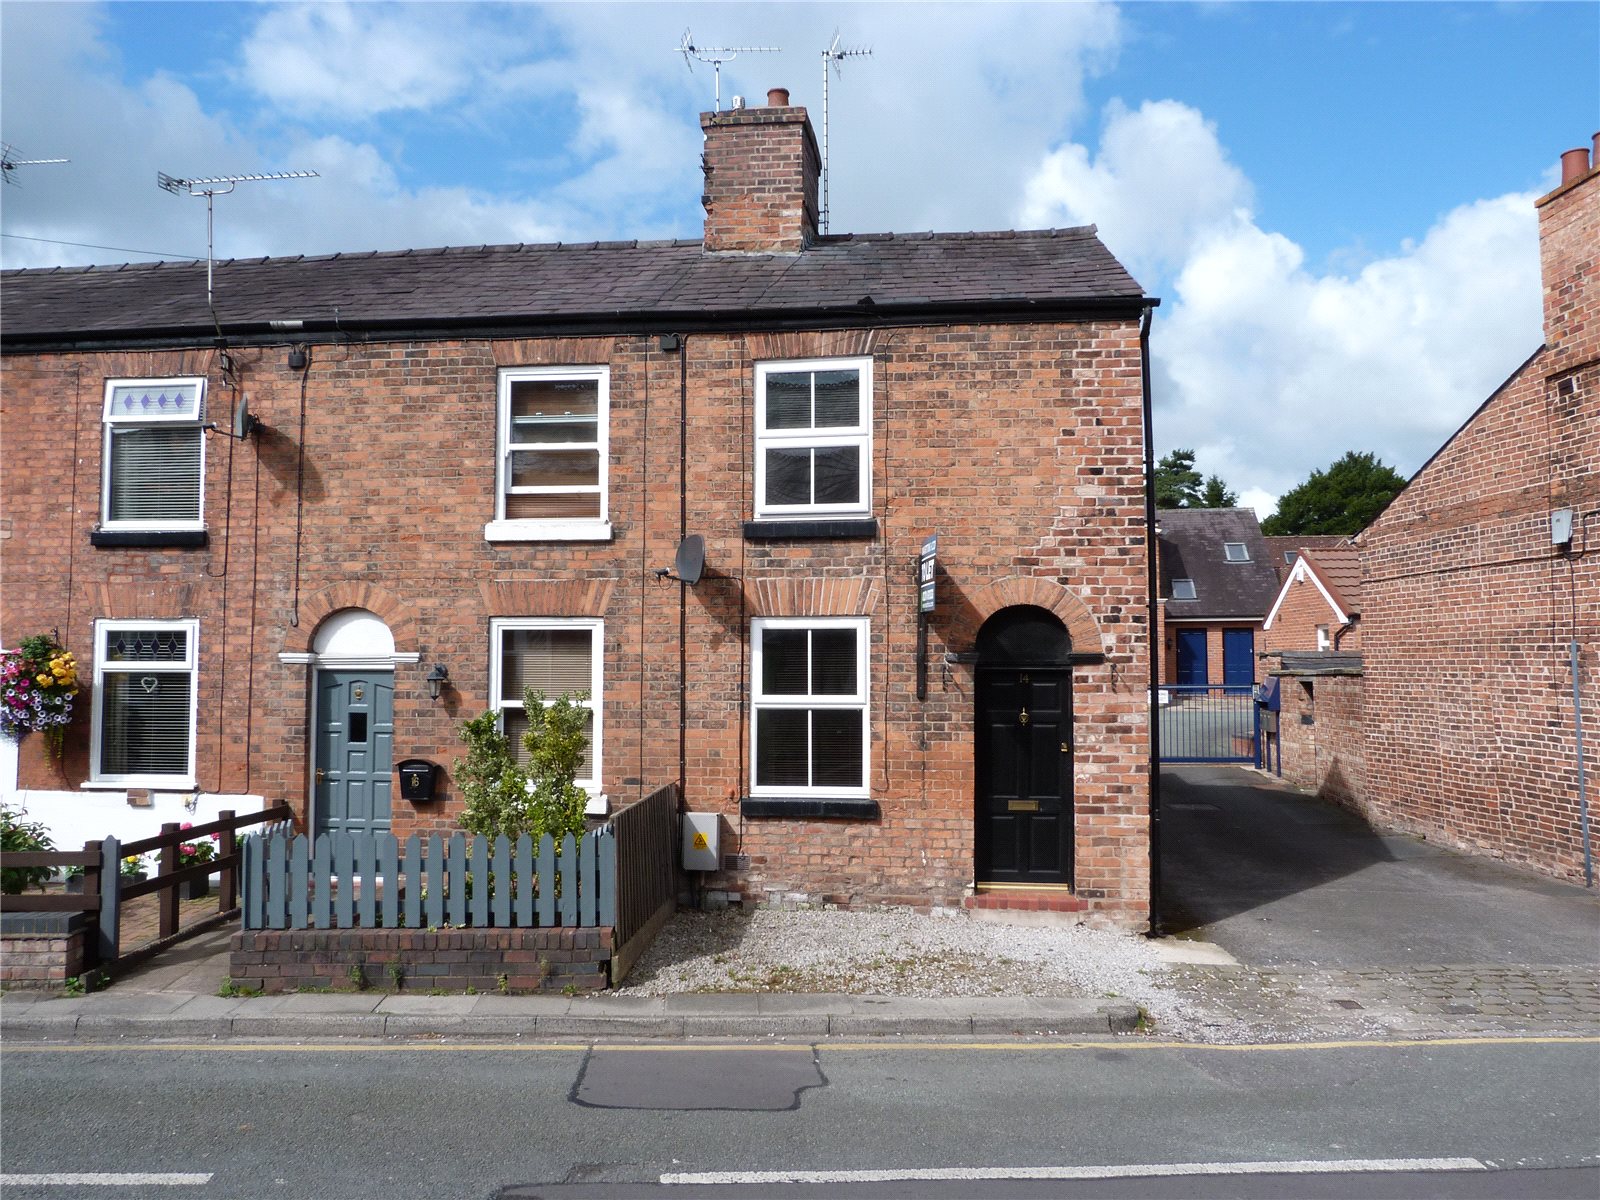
{"x":1280,"y":879}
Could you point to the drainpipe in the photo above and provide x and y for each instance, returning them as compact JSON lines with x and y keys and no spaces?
{"x":1338,"y":634}
{"x":683,"y":588}
{"x":1583,"y":790}
{"x":1152,"y":627}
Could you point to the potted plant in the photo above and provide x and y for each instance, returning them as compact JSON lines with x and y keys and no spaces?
{"x":203,"y":850}
{"x":17,"y":834}
{"x":132,"y":869}
{"x":38,"y":681}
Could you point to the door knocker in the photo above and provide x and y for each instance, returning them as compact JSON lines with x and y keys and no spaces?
{"x":1023,"y":719}
{"x":358,"y":692}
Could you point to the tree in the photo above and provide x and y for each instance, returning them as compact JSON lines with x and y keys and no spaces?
{"x":1216,"y":494}
{"x":1178,"y":485}
{"x":1177,"y":482}
{"x":1343,"y":499}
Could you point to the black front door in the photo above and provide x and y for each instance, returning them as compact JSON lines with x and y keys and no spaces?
{"x":1024,"y":766}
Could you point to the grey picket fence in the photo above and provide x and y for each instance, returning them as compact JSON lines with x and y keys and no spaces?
{"x":372,"y":881}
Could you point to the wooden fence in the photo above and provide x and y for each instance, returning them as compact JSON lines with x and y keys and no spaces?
{"x":370,"y":881}
{"x":647,"y":874}
{"x":104,"y":889}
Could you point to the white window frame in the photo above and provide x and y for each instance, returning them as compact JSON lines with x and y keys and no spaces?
{"x":190,"y":666}
{"x":110,"y":422}
{"x":858,"y":435}
{"x":550,"y":529}
{"x":859,"y":699}
{"x":1242,"y":557}
{"x":1194,"y":592}
{"x":498,"y":626}
{"x":1324,"y":638}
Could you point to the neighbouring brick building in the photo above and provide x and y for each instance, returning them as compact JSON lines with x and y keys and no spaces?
{"x":474,"y":469}
{"x":1481,"y":584}
{"x":1216,"y":584}
{"x":1319,"y":605}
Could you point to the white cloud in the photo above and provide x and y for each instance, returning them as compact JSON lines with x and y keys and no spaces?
{"x":360,"y":60}
{"x":1267,"y":368}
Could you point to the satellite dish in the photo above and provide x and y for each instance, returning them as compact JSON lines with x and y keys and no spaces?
{"x":690,"y":563}
{"x":243,"y":421}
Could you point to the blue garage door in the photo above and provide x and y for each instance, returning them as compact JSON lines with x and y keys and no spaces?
{"x":1192,"y":658}
{"x":1238,"y":658}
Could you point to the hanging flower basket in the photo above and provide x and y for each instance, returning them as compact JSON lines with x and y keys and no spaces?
{"x":38,"y":681}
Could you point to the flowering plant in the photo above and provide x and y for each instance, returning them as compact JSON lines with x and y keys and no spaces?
{"x":38,"y":681}
{"x":132,"y":869}
{"x":200,"y":851}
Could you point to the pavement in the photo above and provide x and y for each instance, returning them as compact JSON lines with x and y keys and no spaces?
{"x":1290,"y":920}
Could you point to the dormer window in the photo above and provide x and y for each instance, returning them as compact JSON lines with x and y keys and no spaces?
{"x":1183,"y":589}
{"x":1236,"y":551}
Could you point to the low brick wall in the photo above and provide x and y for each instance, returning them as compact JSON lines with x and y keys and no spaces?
{"x":451,"y":960}
{"x":42,"y":950}
{"x":1323,"y":747}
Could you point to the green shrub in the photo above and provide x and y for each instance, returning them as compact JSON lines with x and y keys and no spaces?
{"x":505,"y":797}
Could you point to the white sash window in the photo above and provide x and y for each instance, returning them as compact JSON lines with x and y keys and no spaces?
{"x":154,"y":461}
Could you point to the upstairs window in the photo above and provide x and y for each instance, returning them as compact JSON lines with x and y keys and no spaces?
{"x":558,"y":658}
{"x":813,"y":452}
{"x":553,"y":455}
{"x":810,"y":707}
{"x":1183,"y":589}
{"x":1236,"y":551}
{"x":154,"y":454}
{"x":144,"y":703}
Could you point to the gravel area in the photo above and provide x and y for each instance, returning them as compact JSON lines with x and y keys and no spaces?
{"x":897,"y":952}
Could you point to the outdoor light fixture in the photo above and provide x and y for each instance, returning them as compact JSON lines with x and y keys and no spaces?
{"x":437,"y":679}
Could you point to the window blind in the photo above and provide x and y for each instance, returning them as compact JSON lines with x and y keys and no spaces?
{"x":155,"y":473}
{"x":145,"y":723}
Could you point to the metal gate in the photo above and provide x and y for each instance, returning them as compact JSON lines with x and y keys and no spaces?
{"x":1210,"y":724}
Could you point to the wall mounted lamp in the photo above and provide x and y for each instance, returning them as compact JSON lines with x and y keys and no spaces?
{"x":437,"y":678}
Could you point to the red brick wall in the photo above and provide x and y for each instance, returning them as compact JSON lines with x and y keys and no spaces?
{"x":42,"y":961}
{"x":1469,"y":610}
{"x":1323,"y":748}
{"x":398,"y":482}
{"x":452,"y":960}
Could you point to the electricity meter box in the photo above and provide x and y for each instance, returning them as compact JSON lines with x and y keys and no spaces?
{"x":702,"y":841}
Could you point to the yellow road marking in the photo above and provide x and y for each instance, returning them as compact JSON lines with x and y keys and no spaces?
{"x":796,"y":1047}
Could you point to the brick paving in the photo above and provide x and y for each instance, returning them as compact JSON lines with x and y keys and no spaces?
{"x":1309,"y":1003}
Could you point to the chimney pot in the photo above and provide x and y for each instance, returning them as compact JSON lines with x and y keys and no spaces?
{"x":1574,"y":164}
{"x":777,"y":97}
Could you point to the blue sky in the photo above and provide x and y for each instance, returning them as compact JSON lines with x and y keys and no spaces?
{"x":1334,"y":201}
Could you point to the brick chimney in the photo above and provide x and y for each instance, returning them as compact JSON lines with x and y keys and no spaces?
{"x":761,"y":167}
{"x":1569,"y":259}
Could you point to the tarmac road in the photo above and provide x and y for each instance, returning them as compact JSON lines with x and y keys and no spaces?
{"x":1278,"y":878}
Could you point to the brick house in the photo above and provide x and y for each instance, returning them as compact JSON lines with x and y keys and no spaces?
{"x":1216,"y":584}
{"x":1319,"y":605}
{"x":1481,"y":589}
{"x":474,"y":468}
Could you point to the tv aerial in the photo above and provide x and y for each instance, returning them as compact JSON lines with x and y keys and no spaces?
{"x":220,"y":185}
{"x":10,"y":161}
{"x":716,"y":56}
{"x":834,"y":57}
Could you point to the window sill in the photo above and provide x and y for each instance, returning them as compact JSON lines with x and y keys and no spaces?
{"x":548,"y":531}
{"x":796,"y":808}
{"x":154,"y":783}
{"x":188,"y":538}
{"x":830,"y":527}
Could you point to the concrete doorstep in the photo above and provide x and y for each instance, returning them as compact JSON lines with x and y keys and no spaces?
{"x":310,"y":1016}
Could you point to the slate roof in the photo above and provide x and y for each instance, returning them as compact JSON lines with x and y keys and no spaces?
{"x":568,"y":284}
{"x":1340,"y":572}
{"x":1191,"y":544}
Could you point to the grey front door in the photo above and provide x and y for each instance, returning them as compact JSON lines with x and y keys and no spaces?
{"x":1024,"y":769}
{"x":354,"y":750}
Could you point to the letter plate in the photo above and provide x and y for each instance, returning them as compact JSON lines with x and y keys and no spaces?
{"x":1022,"y":806}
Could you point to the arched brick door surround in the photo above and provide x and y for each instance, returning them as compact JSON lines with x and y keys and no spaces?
{"x":1043,"y":593}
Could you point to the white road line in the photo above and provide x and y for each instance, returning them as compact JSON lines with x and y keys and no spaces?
{"x":1129,"y":1171}
{"x":107,"y":1179}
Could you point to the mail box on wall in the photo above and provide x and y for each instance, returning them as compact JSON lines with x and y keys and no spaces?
{"x":417,"y":777}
